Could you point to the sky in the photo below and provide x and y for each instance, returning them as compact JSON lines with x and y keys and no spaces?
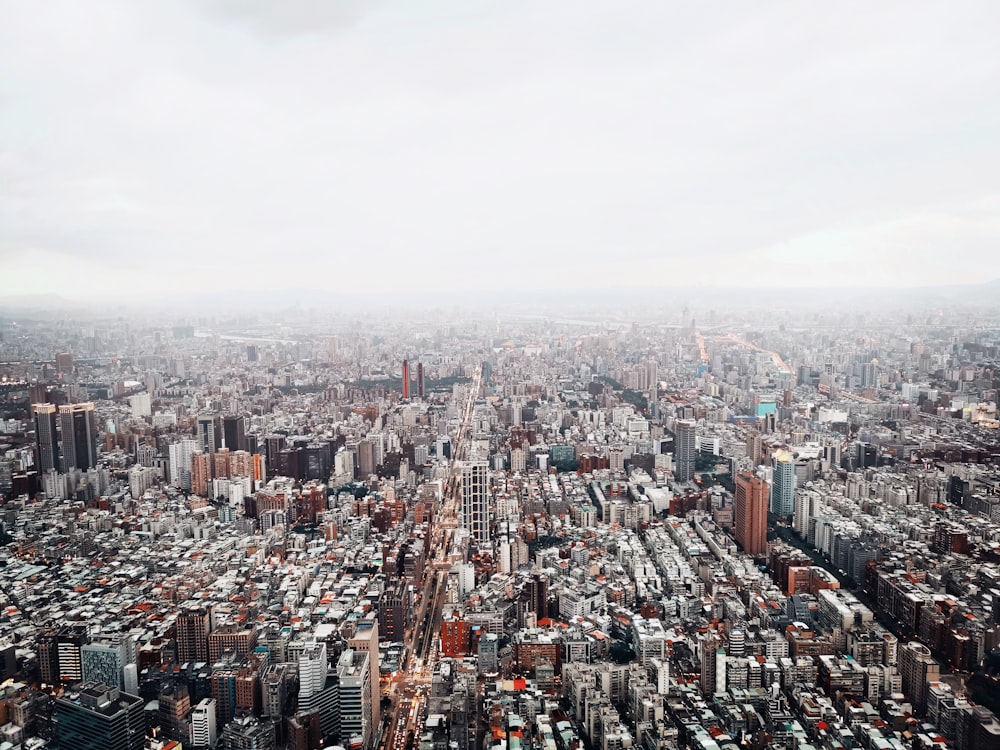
{"x":156,"y":148}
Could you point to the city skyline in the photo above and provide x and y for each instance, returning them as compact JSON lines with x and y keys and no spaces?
{"x":391,"y":147}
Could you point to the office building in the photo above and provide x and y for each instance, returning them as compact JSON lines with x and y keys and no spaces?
{"x":47,"y":436}
{"x":312,"y":672}
{"x":104,"y":661}
{"x":69,"y":643}
{"x":420,"y":379}
{"x":99,"y":717}
{"x":750,"y":522}
{"x":393,"y":609}
{"x":406,"y":379}
{"x":210,"y":432}
{"x":365,"y":639}
{"x":234,"y":432}
{"x":319,"y":690}
{"x":684,"y":450}
{"x":180,"y":462}
{"x":475,"y":500}
{"x":783,"y":484}
{"x":203,"y":730}
{"x":78,"y":436}
{"x":354,"y":673}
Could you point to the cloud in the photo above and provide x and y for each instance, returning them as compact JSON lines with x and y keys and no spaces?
{"x":497,"y":145}
{"x":291,"y":17}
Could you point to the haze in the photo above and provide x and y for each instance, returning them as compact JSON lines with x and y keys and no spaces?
{"x":182,"y":147}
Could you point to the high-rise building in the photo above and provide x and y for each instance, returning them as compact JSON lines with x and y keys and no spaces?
{"x":366,"y":458}
{"x":354,"y":674}
{"x":104,"y":661}
{"x":783,"y":484}
{"x":70,"y":640}
{"x":220,"y":464}
{"x":99,"y":717}
{"x":393,"y":607}
{"x":754,"y":447}
{"x":750,"y":513}
{"x":538,"y":590}
{"x":210,"y":432}
{"x":420,"y":379}
{"x":201,"y":472}
{"x":46,"y":437}
{"x":78,"y":436}
{"x":203,"y":731}
{"x":174,"y":707}
{"x":234,"y":432}
{"x":918,"y":669}
{"x":180,"y":462}
{"x":684,"y":450}
{"x":313,"y":669}
{"x":319,"y":691}
{"x":475,"y":500}
{"x":192,"y":628}
{"x":365,"y":638}
{"x":64,"y":363}
{"x":406,"y":379}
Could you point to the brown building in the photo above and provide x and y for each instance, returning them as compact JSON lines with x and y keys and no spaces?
{"x":201,"y":472}
{"x":192,"y":635}
{"x":304,"y":731}
{"x":528,"y":654}
{"x":236,"y":638}
{"x":750,"y":522}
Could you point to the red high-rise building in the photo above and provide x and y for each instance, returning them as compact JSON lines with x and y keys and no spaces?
{"x":406,"y":378}
{"x":750,"y":522}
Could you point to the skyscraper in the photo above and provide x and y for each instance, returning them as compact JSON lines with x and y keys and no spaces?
{"x":475,"y":500}
{"x":46,"y":436}
{"x":318,"y":692}
{"x":234,"y":432}
{"x":406,"y":379}
{"x":684,"y":435}
{"x":78,"y":436}
{"x":99,"y":717}
{"x":354,"y":671}
{"x":180,"y":462}
{"x":420,"y":379}
{"x":192,"y":635}
{"x":783,"y":487}
{"x":365,"y":638}
{"x":210,"y":432}
{"x":754,"y":447}
{"x":751,"y":514}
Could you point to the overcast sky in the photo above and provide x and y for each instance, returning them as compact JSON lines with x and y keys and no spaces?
{"x":188,"y":146}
